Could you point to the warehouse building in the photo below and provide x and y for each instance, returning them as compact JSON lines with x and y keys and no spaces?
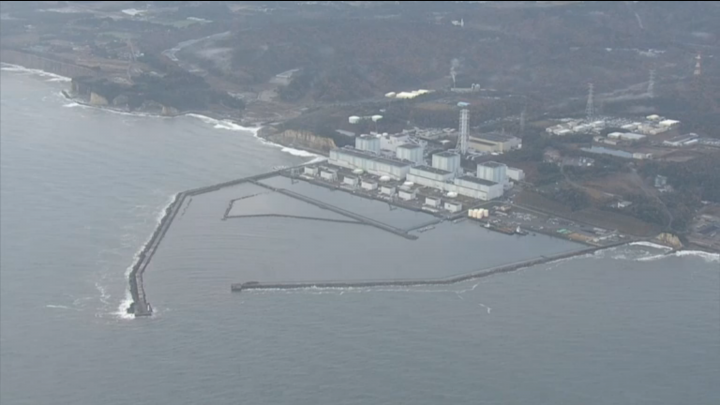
{"x":328,"y":174}
{"x":381,"y":166}
{"x":410,"y":152}
{"x":429,"y":176}
{"x":387,"y":190}
{"x":448,"y":161}
{"x":310,"y":170}
{"x":350,"y":181}
{"x":407,"y":194}
{"x":434,"y":202}
{"x":494,"y":142}
{"x":368,"y":143}
{"x":515,"y":174}
{"x":480,"y":189}
{"x":369,"y":185}
{"x":627,"y":136}
{"x":683,"y":140}
{"x":492,"y":171}
{"x":453,"y":206}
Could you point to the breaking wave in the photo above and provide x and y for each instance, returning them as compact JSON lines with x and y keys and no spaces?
{"x":232,"y":126}
{"x":127,"y":300}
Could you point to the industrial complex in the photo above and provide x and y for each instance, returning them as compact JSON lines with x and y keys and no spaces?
{"x":397,"y":167}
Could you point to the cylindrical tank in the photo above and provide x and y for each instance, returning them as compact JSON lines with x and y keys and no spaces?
{"x":486,"y":212}
{"x":376,"y":118}
{"x":358,"y":171}
{"x":390,"y":95}
{"x":452,"y":194}
{"x":385,"y":178}
{"x":354,"y":119}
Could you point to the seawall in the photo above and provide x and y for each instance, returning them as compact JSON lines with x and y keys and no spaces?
{"x":140,"y":306}
{"x":252,"y":285}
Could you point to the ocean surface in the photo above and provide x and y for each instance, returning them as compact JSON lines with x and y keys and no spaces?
{"x":82,"y":190}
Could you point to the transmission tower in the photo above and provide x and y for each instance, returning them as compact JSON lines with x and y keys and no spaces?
{"x":590,"y":107}
{"x":698,"y":65}
{"x":522,"y":122}
{"x":651,"y":84}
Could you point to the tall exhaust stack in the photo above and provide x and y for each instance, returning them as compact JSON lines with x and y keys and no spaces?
{"x":464,"y":128}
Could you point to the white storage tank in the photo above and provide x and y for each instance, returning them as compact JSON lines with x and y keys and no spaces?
{"x":376,"y":118}
{"x":385,"y":178}
{"x":354,"y":119}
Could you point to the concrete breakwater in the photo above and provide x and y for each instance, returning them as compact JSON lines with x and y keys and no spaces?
{"x":254,"y":285}
{"x":140,"y":306}
{"x":338,"y":210}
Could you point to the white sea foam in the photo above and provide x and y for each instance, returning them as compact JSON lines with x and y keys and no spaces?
{"x":650,"y":245}
{"x":127,"y":300}
{"x":8,"y":67}
{"x":57,"y":306}
{"x":232,"y":126}
{"x":708,"y":257}
{"x":217,"y":124}
{"x":104,"y":296}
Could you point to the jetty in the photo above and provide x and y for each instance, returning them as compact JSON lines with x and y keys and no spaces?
{"x":255,"y":285}
{"x":140,"y":307}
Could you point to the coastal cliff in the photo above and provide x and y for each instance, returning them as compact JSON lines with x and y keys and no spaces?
{"x":300,"y":140}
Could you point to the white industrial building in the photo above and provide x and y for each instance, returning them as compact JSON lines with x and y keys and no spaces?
{"x":492,"y":171}
{"x":350,"y":181}
{"x":430,"y":176}
{"x":368,"y":143}
{"x":434,"y":202}
{"x":683,"y":140}
{"x":453,"y":206}
{"x":494,"y":142}
{"x":448,"y":161}
{"x":328,"y":174}
{"x":480,"y":189}
{"x":387,"y":190}
{"x":310,"y":170}
{"x":392,"y":141}
{"x":627,"y":136}
{"x":407,"y":194}
{"x":368,"y":185}
{"x":515,"y":174}
{"x":669,"y":123}
{"x":411,"y":152}
{"x":355,"y":159}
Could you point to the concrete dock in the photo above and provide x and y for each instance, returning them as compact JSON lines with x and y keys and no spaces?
{"x":254,"y":285}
